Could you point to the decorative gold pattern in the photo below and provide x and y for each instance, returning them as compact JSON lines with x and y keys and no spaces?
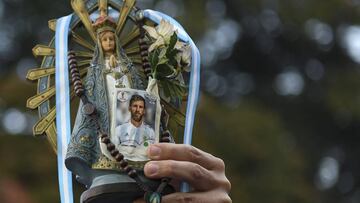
{"x":132,"y":50}
{"x":84,"y":62}
{"x":83,"y":54}
{"x":78,"y":39}
{"x":136,"y":59}
{"x":37,"y":73}
{"x":85,"y":139}
{"x":46,"y":124}
{"x":51,"y":135}
{"x":124,"y":12}
{"x":35,"y":101}
{"x":103,"y":7}
{"x":43,"y":50}
{"x":132,"y":35}
{"x":106,"y":164}
{"x":42,"y":125}
{"x":52,"y":24}
{"x":175,"y":114}
{"x":80,"y":9}
{"x":83,"y":71}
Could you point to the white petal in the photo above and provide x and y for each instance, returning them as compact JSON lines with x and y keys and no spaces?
{"x":160,"y":28}
{"x":186,"y":56}
{"x":179,"y":45}
{"x":178,"y":59}
{"x":187,"y":68}
{"x":151,"y":31}
{"x":165,"y":29}
{"x":159,"y":42}
{"x":152,"y":47}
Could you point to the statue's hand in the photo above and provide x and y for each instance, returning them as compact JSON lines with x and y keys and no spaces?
{"x":113,"y":62}
{"x":204,"y":172}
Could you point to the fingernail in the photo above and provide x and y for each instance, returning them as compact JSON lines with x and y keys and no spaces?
{"x":152,"y":169}
{"x":154,"y":151}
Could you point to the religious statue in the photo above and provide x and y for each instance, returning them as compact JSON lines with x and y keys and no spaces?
{"x":131,"y":70}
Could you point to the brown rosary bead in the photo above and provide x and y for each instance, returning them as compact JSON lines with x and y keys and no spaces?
{"x":128,"y":169}
{"x":103,"y":136}
{"x":166,"y":133}
{"x":141,"y":41}
{"x":114,"y":152}
{"x":74,"y":71}
{"x":144,"y":54}
{"x":119,"y":157}
{"x":72,"y":60}
{"x":105,"y":140}
{"x":123,"y":163}
{"x":165,"y":139}
{"x":144,"y":47}
{"x":79,"y":92}
{"x":79,"y":88}
{"x":110,"y":146}
{"x":132,"y":173}
{"x":75,"y":78}
{"x":147,"y":64}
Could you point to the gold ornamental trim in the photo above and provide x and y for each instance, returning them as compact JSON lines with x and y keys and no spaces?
{"x":105,"y":163}
{"x":80,"y":10}
{"x":38,"y":73}
{"x":43,"y":50}
{"x":135,"y":32}
{"x":37,"y":100}
{"x":124,"y":12}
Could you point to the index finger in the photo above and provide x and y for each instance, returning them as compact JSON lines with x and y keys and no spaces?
{"x":182,"y":152}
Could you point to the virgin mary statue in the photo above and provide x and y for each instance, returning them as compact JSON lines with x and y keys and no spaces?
{"x":110,"y":69}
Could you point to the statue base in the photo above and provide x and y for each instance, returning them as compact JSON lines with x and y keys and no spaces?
{"x":119,"y":192}
{"x":112,"y":193}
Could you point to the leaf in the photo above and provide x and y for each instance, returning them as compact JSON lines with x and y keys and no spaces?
{"x":162,"y":53}
{"x":165,"y":88}
{"x":162,"y":58}
{"x":151,"y":59}
{"x":155,"y":59}
{"x":178,"y":89}
{"x":173,"y":89}
{"x":172,"y":54}
{"x":163,"y":61}
{"x":164,"y":70}
{"x":173,"y":40}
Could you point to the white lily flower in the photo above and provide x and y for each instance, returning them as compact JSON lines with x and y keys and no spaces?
{"x":186,"y":54}
{"x":165,"y":29}
{"x":151,"y":31}
{"x":162,"y":34}
{"x":179,"y":45}
{"x":158,"y":43}
{"x":184,"y":58}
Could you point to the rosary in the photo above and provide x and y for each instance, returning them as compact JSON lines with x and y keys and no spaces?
{"x":89,"y":109}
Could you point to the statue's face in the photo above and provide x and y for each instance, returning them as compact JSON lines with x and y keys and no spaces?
{"x":107,"y":40}
{"x":137,"y":110}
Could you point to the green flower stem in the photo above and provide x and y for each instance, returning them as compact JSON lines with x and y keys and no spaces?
{"x":155,"y":72}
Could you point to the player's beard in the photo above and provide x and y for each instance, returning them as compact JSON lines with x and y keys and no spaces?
{"x":137,"y":117}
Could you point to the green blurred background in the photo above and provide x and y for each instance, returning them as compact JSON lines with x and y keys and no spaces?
{"x":280,"y":99}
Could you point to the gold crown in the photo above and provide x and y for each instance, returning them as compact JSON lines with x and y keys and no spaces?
{"x":104,"y":23}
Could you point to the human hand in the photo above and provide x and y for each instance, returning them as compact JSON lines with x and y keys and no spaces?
{"x":204,"y":172}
